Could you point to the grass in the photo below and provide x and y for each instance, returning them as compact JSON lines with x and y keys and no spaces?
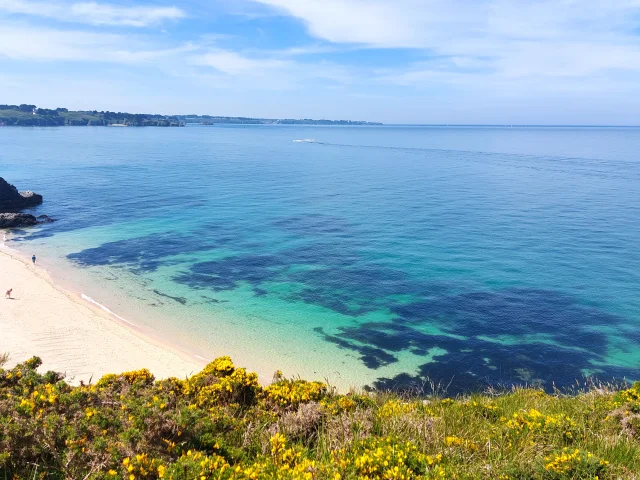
{"x":221,"y":423}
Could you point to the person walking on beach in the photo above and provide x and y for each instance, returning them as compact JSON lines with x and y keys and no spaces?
{"x":8,"y":294}
{"x":33,"y":259}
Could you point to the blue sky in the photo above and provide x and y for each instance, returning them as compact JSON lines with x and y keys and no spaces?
{"x":394,"y":61}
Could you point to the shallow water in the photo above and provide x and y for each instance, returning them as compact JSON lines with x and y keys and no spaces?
{"x":381,"y":256}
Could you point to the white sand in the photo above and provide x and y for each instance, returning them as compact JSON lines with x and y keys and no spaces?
{"x":71,"y":335}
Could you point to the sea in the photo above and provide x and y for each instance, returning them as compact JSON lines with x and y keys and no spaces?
{"x":383,"y":257}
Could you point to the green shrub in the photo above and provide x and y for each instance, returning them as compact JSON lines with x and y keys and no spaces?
{"x":221,"y":424}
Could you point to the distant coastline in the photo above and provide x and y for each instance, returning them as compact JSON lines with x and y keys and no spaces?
{"x":27,"y":115}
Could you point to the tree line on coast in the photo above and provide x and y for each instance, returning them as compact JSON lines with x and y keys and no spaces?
{"x":27,"y":115}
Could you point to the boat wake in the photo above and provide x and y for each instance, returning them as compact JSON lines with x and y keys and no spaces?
{"x":306,"y":140}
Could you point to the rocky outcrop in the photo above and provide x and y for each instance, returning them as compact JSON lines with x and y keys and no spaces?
{"x":45,"y":219}
{"x":17,"y":220}
{"x":12,"y":200}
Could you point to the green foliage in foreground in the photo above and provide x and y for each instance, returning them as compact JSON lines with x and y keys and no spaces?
{"x":221,"y":424}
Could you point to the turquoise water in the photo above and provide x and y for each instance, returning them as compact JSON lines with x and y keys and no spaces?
{"x":378,"y":256}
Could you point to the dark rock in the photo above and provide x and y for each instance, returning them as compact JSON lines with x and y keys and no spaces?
{"x":17,"y":220}
{"x":11,"y":199}
{"x":31,"y":199}
{"x":45,"y":219}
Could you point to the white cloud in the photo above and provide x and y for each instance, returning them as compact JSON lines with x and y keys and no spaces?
{"x":484,"y":39}
{"x":37,"y":44}
{"x":94,"y":13}
{"x":458,"y":54}
{"x":429,"y":23}
{"x":233,"y":63}
{"x":264,"y":71}
{"x":382,"y":23}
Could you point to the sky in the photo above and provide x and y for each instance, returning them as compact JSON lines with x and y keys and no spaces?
{"x":392,"y":61}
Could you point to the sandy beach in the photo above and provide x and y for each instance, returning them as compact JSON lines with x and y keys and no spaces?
{"x":70,"y":334}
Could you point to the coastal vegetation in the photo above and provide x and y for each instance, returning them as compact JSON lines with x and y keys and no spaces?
{"x":222,"y":424}
{"x":211,"y":120}
{"x":30,"y":115}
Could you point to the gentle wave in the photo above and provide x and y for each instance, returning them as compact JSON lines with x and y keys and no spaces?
{"x":106,"y":309}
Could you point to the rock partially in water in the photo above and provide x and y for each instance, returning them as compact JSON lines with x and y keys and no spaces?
{"x":45,"y":219}
{"x":17,"y":220}
{"x":11,"y":199}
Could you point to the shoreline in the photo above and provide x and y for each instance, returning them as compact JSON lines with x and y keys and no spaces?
{"x":253,"y":341}
{"x":73,"y":333}
{"x":176,"y":329}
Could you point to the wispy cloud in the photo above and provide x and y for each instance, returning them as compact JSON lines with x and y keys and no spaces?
{"x":411,"y":57}
{"x":45,"y":44}
{"x":224,"y":68}
{"x":510,"y":39}
{"x":234,"y":63}
{"x":381,"y":23}
{"x":265,"y":71}
{"x":94,"y":13}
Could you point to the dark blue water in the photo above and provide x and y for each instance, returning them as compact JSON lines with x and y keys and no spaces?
{"x":389,"y":255}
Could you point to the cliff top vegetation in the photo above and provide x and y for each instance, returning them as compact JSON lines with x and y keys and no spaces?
{"x":31,"y":115}
{"x":221,"y":424}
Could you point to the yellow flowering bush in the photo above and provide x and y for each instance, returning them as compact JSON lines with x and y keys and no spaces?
{"x":337,"y":404}
{"x":291,"y":393}
{"x":197,"y":465}
{"x":453,"y":441}
{"x":142,"y":376}
{"x":574,"y":463}
{"x":388,"y":458}
{"x":220,"y":367}
{"x":221,"y":382}
{"x":396,"y":407}
{"x":140,"y":466}
{"x":536,"y":423}
{"x":107,"y":380}
{"x":629,"y":397}
{"x":221,"y":424}
{"x":238,"y":387}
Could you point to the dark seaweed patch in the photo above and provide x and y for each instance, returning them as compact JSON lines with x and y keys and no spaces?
{"x":475,"y":368}
{"x":143,"y":254}
{"x":515,"y":311}
{"x":211,"y":299}
{"x":329,"y":268}
{"x":350,"y":290}
{"x":27,"y":236}
{"x":372,"y":357}
{"x":180,"y":300}
{"x":396,"y":337}
{"x":226,"y":273}
{"x":334,"y":281}
{"x":471,"y":362}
